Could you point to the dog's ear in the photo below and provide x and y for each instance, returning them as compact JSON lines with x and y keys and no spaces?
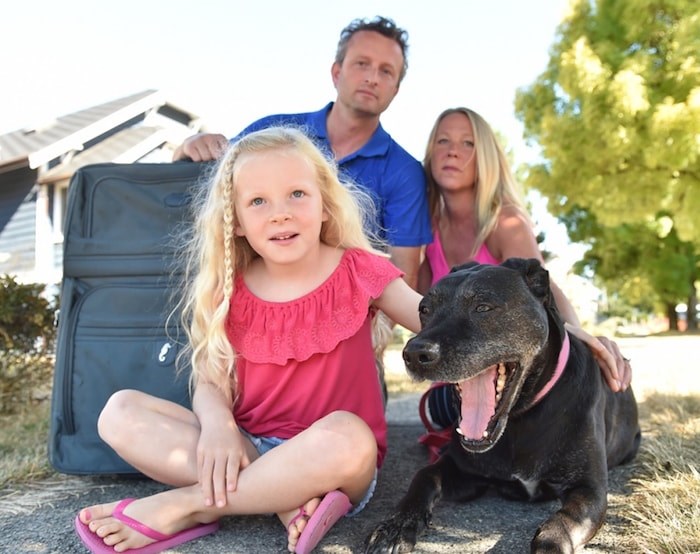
{"x":536,"y":277}
{"x":468,"y":265}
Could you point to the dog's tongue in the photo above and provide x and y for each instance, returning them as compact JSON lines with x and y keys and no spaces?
{"x":478,"y":403}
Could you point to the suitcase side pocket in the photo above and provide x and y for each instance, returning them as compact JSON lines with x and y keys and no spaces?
{"x":114,"y":338}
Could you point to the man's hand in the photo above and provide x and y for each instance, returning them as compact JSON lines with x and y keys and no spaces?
{"x":202,"y":147}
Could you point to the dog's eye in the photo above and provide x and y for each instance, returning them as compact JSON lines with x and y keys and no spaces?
{"x":423,"y":310}
{"x":483,"y":308}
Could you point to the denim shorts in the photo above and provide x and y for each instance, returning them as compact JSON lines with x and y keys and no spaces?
{"x":265,"y":444}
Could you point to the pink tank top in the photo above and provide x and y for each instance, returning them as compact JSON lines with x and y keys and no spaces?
{"x":438,"y":264}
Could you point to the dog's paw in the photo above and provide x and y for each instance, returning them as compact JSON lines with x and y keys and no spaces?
{"x":551,"y":538}
{"x":395,"y":535}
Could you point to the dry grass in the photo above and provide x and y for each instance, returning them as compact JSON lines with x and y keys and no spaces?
{"x":663,"y":509}
{"x":23,"y":445}
{"x":398,"y":384}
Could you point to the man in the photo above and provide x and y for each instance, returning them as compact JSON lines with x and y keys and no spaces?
{"x":369,"y":66}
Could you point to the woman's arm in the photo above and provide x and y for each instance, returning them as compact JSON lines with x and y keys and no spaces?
{"x":514,"y":238}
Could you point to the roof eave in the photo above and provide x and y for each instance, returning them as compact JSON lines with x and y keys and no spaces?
{"x":76,"y":140}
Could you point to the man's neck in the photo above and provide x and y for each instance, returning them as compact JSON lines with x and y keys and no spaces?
{"x":347,"y":131}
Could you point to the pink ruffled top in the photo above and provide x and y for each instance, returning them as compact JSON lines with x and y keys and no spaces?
{"x":303,"y":359}
{"x":438,"y":263}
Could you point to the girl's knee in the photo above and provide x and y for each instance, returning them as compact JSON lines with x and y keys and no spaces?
{"x":345,"y":423}
{"x":342,"y":417}
{"x":349,"y":438}
{"x":115,"y":415}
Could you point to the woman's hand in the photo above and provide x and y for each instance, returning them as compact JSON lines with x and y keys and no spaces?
{"x":616,"y":369}
{"x":221,"y":455}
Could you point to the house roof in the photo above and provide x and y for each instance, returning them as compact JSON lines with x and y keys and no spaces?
{"x":70,"y":133}
{"x":125,"y":146}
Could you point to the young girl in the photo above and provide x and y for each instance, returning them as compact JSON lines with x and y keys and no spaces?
{"x":287,"y":413}
{"x":477,"y":215}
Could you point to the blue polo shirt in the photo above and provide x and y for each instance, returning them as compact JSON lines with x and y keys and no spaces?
{"x":391,"y":176}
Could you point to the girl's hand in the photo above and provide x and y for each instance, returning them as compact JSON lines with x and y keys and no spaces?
{"x":616,"y":369}
{"x":221,"y":454}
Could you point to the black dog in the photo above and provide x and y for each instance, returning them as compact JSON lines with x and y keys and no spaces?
{"x":536,"y":424}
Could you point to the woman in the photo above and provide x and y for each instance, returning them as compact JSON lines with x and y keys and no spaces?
{"x":478,"y":215}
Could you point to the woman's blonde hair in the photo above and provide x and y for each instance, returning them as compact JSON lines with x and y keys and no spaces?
{"x":215,"y":255}
{"x":495,"y":185}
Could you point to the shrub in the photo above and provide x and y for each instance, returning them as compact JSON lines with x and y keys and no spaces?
{"x":27,"y":338}
{"x":26,"y":317}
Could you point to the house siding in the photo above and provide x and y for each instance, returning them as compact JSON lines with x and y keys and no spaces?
{"x":37,"y":164}
{"x":18,"y":239}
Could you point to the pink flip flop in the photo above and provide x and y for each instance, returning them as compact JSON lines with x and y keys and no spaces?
{"x":97,"y":546}
{"x":333,"y":506}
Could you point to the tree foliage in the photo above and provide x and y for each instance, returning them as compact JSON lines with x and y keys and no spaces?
{"x":26,"y":317}
{"x":645,"y":263}
{"x":617,"y":117}
{"x":27,"y":336}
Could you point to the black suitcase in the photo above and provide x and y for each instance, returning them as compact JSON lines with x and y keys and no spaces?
{"x":119,"y":285}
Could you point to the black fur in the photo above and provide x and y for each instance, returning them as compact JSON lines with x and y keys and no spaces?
{"x":560,"y":447}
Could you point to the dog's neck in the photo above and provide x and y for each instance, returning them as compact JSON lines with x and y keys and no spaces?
{"x":558,"y":371}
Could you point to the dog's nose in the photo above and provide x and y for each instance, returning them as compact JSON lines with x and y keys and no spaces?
{"x":421,"y":353}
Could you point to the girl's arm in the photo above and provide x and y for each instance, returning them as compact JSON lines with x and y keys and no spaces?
{"x":400,"y":303}
{"x":221,"y":451}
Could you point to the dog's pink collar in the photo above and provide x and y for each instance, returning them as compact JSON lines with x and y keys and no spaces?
{"x":561,"y":363}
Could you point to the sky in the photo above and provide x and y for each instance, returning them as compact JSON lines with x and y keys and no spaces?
{"x":233,"y":61}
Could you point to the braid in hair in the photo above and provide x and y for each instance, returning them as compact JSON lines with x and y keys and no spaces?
{"x":228,"y":229}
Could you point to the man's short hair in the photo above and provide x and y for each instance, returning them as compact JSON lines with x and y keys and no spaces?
{"x":382,"y":25}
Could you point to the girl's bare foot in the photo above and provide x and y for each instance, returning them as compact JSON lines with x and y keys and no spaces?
{"x":296,"y":520}
{"x":157,"y":512}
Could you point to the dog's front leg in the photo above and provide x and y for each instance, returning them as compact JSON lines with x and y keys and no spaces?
{"x":581,"y":515}
{"x":400,"y":531}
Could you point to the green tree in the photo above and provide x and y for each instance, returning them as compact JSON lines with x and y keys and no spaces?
{"x":646,"y":264}
{"x":617,"y":117}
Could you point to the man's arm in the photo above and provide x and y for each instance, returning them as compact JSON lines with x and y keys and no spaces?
{"x":405,"y":216}
{"x":425,"y":276}
{"x":407,"y":259}
{"x":202,"y":147}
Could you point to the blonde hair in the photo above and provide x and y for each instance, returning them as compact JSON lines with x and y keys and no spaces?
{"x":215,"y":255}
{"x":495,"y":185}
